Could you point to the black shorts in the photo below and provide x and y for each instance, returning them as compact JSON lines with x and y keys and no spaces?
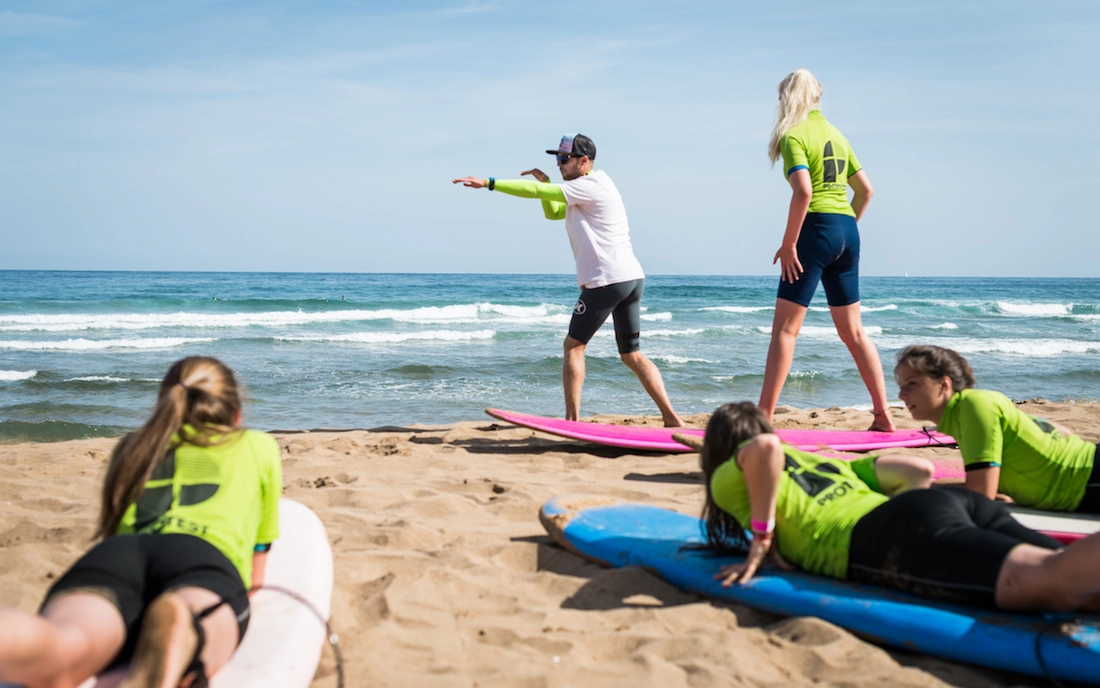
{"x":828,"y":249}
{"x":133,"y":570}
{"x":945,"y":543}
{"x":622,"y":302}
{"x":1090,"y":503}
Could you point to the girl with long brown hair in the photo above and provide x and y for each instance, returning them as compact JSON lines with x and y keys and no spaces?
{"x":870,"y":521}
{"x":189,"y":509}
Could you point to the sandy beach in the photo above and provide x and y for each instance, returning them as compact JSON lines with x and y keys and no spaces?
{"x":444,"y":576}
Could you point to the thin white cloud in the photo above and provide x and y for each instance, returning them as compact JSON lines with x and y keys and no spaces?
{"x":14,"y":23}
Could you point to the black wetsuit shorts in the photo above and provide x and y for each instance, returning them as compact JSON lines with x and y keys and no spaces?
{"x":622,"y":302}
{"x":944,"y":543}
{"x":828,"y":249}
{"x":133,"y":570}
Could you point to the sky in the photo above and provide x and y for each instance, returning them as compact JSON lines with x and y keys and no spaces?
{"x":323,"y":136}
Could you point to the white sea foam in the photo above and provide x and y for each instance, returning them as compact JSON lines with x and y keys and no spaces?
{"x":1034,"y":310}
{"x":876,"y":309}
{"x":804,"y":374}
{"x":657,"y":317}
{"x":16,"y":375}
{"x":101,"y":344}
{"x":457,"y":313}
{"x":1039,"y":348}
{"x":944,"y":326}
{"x":395,"y":337}
{"x":817,"y":331}
{"x":670,"y":358}
{"x":739,"y":309}
{"x":97,"y":378}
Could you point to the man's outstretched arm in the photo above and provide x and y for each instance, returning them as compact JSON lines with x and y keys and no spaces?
{"x":551,"y":195}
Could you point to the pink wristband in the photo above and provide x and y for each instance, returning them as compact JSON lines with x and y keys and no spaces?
{"x":761,"y":527}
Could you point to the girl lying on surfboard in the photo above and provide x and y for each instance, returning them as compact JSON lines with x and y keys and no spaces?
{"x":1005,"y":451}
{"x":826,"y":516}
{"x":189,"y":509}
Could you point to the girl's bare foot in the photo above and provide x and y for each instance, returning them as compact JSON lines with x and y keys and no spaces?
{"x":883,"y":422}
{"x":167,"y":644}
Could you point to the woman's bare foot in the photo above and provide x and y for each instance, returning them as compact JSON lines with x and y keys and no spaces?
{"x":673,"y":421}
{"x":883,"y":422}
{"x":166,"y":646}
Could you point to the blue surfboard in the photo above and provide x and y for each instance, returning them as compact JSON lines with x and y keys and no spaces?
{"x":618,"y":534}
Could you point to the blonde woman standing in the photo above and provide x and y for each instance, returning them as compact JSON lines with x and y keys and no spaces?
{"x":821,"y":243}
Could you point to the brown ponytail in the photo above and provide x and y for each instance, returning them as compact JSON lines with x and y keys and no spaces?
{"x":199,"y":392}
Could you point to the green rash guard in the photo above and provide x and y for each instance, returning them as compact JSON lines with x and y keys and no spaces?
{"x":820,"y":148}
{"x":226,"y":494}
{"x":553,"y":198}
{"x":820,"y":501}
{"x":1040,"y":467}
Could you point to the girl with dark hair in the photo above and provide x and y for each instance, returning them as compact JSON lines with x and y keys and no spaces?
{"x":830,"y":517}
{"x":189,"y":509}
{"x":1005,"y":451}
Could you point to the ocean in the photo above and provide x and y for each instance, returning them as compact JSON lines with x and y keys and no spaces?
{"x":81,"y":353}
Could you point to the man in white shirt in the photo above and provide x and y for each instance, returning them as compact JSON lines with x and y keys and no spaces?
{"x":609,"y":275}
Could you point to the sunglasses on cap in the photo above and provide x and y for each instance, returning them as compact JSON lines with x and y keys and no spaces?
{"x":564,"y":157}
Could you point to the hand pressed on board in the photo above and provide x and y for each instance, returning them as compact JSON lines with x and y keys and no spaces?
{"x":760,"y":552}
{"x":472,"y":182}
{"x":536,"y":173}
{"x":787,"y":256}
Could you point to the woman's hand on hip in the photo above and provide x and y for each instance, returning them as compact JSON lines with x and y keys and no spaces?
{"x":787,"y":257}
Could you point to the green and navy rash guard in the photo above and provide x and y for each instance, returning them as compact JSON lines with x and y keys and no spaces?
{"x":1040,"y":467}
{"x":819,"y":503}
{"x":820,"y":148}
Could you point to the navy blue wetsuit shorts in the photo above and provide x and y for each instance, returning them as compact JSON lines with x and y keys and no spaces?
{"x":828,"y":249}
{"x":623,"y":302}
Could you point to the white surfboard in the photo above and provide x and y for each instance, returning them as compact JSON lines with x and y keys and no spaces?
{"x":285,"y":639}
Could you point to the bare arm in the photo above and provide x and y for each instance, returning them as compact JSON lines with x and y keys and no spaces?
{"x":259,"y":567}
{"x":861,"y":185}
{"x":897,"y":474}
{"x":762,"y":463}
{"x":801,"y":192}
{"x":984,"y":480}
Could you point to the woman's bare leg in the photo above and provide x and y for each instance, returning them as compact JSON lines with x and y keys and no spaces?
{"x":168,"y":640}
{"x":77,"y":636}
{"x":786,"y":325}
{"x":849,"y":325}
{"x":1033,"y":578}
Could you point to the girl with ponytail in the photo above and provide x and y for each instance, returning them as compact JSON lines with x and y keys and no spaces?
{"x":821,"y":242}
{"x":189,"y":509}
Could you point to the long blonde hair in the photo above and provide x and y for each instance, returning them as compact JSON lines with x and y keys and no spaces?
{"x":799,"y":92}
{"x":199,"y":392}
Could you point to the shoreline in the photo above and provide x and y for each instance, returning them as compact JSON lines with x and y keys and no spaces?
{"x":444,"y":576}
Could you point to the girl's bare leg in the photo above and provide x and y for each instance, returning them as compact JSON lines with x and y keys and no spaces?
{"x":786,"y":325}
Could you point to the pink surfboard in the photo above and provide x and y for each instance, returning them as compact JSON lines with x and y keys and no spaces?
{"x":660,"y":439}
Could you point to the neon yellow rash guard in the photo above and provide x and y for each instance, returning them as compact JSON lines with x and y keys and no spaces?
{"x":819,"y":503}
{"x":820,"y":148}
{"x":227,"y":494}
{"x":553,"y":198}
{"x":1040,"y":467}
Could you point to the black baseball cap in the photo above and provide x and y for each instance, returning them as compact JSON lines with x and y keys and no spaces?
{"x":576,"y":145}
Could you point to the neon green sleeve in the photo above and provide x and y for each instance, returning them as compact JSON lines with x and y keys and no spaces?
{"x":272,"y":489}
{"x":553,"y":199}
{"x":980,"y":436}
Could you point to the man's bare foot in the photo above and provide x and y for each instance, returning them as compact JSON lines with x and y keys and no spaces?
{"x":166,"y":645}
{"x":673,"y":421}
{"x":883,"y":422}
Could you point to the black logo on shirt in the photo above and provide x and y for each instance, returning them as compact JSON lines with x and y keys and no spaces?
{"x":156,"y":501}
{"x":834,"y":165}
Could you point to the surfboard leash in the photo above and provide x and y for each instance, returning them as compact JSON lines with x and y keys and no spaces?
{"x":330,"y":635}
{"x":1054,"y":625}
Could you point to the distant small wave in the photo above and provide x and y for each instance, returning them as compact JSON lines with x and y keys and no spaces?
{"x":862,"y":308}
{"x":944,"y":326}
{"x":817,"y":331}
{"x":395,"y":337}
{"x":657,"y":317}
{"x":98,"y":378}
{"x":1024,"y":347}
{"x":100,"y":344}
{"x":803,"y":374}
{"x":1034,"y":310}
{"x":739,"y":309}
{"x":670,"y":358}
{"x":16,"y":375}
